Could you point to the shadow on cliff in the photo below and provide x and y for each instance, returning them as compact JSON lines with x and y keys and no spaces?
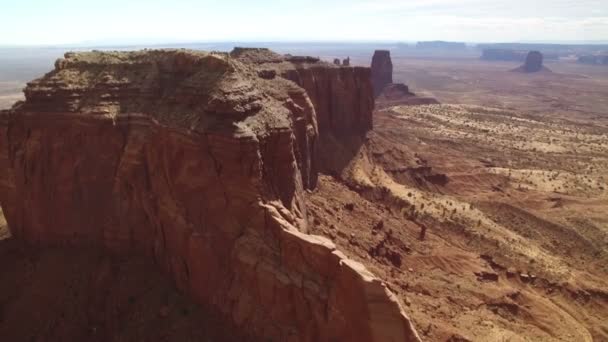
{"x":76,"y":294}
{"x":335,"y":155}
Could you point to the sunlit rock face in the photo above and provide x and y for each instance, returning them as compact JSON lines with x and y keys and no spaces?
{"x":200,"y":161}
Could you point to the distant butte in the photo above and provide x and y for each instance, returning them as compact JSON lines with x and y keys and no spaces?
{"x":533,"y":63}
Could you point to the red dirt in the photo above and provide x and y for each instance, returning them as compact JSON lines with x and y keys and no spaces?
{"x":504,"y":257}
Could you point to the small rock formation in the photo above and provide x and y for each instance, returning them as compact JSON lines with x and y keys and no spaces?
{"x":346,"y":61}
{"x":422,"y":234}
{"x":382,"y":70}
{"x":337,"y":61}
{"x":533,"y":63}
{"x":199,"y":161}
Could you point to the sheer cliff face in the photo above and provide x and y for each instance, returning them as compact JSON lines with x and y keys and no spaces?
{"x":382,"y":70}
{"x":199,"y":160}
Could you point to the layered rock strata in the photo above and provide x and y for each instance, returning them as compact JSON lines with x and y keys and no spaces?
{"x":199,"y":161}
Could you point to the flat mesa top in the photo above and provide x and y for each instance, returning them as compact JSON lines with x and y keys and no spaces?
{"x":178,"y":87}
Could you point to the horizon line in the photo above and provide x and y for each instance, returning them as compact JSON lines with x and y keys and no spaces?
{"x":146,"y":42}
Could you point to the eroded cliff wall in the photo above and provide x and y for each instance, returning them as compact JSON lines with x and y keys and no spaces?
{"x":199,"y":160}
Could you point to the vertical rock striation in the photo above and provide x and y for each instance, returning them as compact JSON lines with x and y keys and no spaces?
{"x":199,"y":160}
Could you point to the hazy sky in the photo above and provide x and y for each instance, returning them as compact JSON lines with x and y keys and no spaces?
{"x":75,"y":21}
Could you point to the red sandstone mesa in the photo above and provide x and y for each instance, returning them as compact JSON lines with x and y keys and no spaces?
{"x":200,"y":160}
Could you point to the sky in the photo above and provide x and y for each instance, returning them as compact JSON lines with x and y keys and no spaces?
{"x":56,"y":22}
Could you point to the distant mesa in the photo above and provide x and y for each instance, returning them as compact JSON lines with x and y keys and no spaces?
{"x":533,"y":63}
{"x":439,"y":44}
{"x":382,"y":70}
{"x":511,"y":55}
{"x":593,"y":59}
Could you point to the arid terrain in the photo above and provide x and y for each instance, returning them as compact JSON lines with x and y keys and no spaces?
{"x":485,"y":215}
{"x":570,"y":91}
{"x":515,"y":214}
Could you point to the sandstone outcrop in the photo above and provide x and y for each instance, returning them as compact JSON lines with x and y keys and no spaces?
{"x":382,"y":70}
{"x":533,"y":63}
{"x":200,"y":161}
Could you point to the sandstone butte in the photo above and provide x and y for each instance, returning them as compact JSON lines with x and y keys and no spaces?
{"x":382,"y":70}
{"x":200,"y":161}
{"x":533,"y":63}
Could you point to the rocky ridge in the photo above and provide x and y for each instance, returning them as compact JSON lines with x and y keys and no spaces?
{"x":200,"y":161}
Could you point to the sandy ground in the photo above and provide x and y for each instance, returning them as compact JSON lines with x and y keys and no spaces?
{"x":516,"y":231}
